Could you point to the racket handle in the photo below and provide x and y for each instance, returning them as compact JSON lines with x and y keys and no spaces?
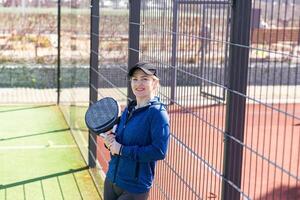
{"x":112,"y":131}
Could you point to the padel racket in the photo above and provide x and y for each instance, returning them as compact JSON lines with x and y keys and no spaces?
{"x":102,"y":115}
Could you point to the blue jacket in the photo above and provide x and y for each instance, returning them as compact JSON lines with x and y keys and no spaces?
{"x":144,"y":134}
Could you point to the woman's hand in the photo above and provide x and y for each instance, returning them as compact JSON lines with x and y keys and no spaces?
{"x":115,"y":148}
{"x":109,"y":138}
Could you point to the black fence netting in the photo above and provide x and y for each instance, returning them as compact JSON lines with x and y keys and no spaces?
{"x":229,"y":72}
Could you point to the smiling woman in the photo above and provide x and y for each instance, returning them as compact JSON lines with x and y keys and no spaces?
{"x":141,"y":139}
{"x":144,"y":82}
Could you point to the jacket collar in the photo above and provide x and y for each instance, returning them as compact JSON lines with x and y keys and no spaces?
{"x":153,"y":101}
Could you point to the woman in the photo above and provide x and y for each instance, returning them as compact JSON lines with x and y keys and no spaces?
{"x":140,"y":140}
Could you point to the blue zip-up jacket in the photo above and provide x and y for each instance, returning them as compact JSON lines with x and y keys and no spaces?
{"x":144,"y":134}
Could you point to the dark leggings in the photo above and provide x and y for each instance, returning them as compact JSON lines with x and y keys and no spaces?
{"x":113,"y":192}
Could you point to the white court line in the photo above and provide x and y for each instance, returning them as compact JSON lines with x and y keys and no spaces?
{"x":21,"y":147}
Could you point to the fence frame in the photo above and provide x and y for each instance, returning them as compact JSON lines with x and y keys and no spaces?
{"x":234,"y":96}
{"x":92,"y":148}
{"x":133,"y":39}
{"x":58,"y":49}
{"x":235,"y":103}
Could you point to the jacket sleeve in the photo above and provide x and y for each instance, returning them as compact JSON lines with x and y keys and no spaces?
{"x":157,"y":150}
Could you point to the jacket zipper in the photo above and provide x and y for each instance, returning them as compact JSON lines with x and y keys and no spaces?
{"x":117,"y":165}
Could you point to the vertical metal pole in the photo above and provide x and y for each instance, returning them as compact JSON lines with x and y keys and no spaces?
{"x":235,"y":108}
{"x":58,"y":50}
{"x":174,"y":52}
{"x":134,"y":38}
{"x":226,"y":52}
{"x":93,"y":75}
{"x":203,"y":46}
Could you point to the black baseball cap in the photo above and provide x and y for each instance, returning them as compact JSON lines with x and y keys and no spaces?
{"x":146,"y":67}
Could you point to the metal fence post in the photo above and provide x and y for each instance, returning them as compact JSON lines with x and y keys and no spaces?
{"x":93,"y":75}
{"x":235,"y":108}
{"x":58,"y":49}
{"x":134,"y":38}
{"x":174,"y":52}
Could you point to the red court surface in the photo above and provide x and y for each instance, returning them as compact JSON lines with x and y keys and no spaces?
{"x":194,"y":163}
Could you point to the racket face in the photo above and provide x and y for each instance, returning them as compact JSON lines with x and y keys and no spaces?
{"x":102,"y":115}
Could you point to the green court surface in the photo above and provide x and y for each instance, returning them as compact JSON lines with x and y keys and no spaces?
{"x":39,"y":158}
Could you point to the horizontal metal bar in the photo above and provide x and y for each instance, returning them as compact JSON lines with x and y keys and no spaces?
{"x":213,"y":96}
{"x":205,"y":2}
{"x":161,"y":190}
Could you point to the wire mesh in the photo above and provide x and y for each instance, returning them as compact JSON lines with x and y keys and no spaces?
{"x":190,"y":42}
{"x":186,"y":40}
{"x":272,"y":135}
{"x":109,"y":74}
{"x":74,"y":68}
{"x":27,"y":53}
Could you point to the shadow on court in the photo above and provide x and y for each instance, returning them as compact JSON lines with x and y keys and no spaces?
{"x":24,"y":108}
{"x":283,"y":193}
{"x":36,"y":134}
{"x":55,"y":175}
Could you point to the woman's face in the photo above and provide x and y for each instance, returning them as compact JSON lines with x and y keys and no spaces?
{"x":143,"y":85}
